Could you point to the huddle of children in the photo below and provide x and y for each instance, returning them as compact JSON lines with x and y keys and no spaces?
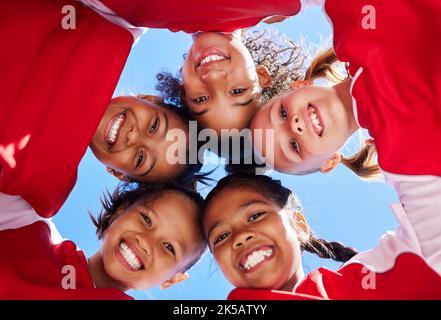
{"x":155,"y":226}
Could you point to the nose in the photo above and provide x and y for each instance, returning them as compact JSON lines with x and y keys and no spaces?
{"x":297,"y":125}
{"x":242,"y":239}
{"x":214,"y":75}
{"x":131,"y":136}
{"x":143,"y":243}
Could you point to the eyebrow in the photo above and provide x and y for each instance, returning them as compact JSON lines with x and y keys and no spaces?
{"x":238,"y":104}
{"x":200,"y":112}
{"x":242,"y":207}
{"x":242,"y":104}
{"x":148,"y":170}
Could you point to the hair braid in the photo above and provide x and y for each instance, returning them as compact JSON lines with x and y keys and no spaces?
{"x":329,"y":250}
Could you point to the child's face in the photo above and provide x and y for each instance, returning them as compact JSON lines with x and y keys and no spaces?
{"x":310,"y":124}
{"x":131,"y":140}
{"x":150,"y":242}
{"x":252,"y":240}
{"x":221,"y":93}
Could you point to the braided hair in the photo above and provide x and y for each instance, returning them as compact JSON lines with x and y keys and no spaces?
{"x":284,"y":198}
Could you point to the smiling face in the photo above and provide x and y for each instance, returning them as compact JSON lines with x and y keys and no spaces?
{"x":310,"y":124}
{"x":252,"y":240}
{"x":131,"y":140}
{"x":221,"y":82}
{"x":150,"y":242}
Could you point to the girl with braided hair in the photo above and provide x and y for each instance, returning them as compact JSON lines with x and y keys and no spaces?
{"x":256,"y":230}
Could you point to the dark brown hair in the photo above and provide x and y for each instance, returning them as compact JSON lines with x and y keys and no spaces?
{"x":127,"y":194}
{"x":284,"y":198}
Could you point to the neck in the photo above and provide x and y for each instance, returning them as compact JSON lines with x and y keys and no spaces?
{"x":298,"y":276}
{"x":99,"y":275}
{"x":343,"y":91}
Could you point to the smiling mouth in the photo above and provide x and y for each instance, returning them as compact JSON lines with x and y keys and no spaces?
{"x":130,"y":257}
{"x":256,"y":258}
{"x":113,"y":130}
{"x":315,"y":118}
{"x":211,"y":59}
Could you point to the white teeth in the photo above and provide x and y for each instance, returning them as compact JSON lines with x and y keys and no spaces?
{"x":315,"y":120}
{"x":129,"y":256}
{"x":113,"y":132}
{"x":213,"y":57}
{"x":256,"y":257}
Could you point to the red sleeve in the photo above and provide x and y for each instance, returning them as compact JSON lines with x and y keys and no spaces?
{"x":56,"y":85}
{"x":31,"y":267}
{"x":201,"y":15}
{"x":398,"y":91}
{"x":409,"y":279}
{"x":253,"y":294}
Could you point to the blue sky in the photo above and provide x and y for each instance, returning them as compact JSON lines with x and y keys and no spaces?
{"x":338,"y":206}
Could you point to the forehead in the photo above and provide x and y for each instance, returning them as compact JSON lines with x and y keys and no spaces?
{"x":177,"y":215}
{"x":228,"y":203}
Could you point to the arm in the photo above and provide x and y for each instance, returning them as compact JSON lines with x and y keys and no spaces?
{"x":420,"y":197}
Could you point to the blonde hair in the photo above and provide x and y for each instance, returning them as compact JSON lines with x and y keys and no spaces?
{"x":363,"y":163}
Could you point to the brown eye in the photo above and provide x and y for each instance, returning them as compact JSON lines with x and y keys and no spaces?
{"x":147,"y":219}
{"x":222,"y":237}
{"x":294,"y":145}
{"x":154,"y":126}
{"x":283,"y":112}
{"x":256,"y":216}
{"x":200,"y":100}
{"x":238,"y":91}
{"x":140,"y":159}
{"x":169,"y":247}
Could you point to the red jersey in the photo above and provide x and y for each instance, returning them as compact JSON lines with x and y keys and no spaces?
{"x":410,"y":279}
{"x":406,"y":263}
{"x":56,"y":85}
{"x":201,"y":15}
{"x":32,"y":267}
{"x":392,"y":48}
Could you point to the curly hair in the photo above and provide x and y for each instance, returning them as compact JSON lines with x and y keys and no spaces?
{"x":282,"y":57}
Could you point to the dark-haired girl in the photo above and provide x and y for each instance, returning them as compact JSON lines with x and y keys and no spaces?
{"x":226,"y":76}
{"x":256,"y":231}
{"x":57,"y":83}
{"x":150,"y":236}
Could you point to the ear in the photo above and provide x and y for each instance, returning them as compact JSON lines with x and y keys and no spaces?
{"x":302,"y":225}
{"x":331,"y":163}
{"x":300,"y":83}
{"x":119,"y":175}
{"x":179,"y":277}
{"x":265,"y":79}
{"x":151,"y":98}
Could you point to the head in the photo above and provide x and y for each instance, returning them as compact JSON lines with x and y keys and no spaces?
{"x":311,"y":124}
{"x":225,"y":77}
{"x":150,"y":236}
{"x":256,"y":231}
{"x":133,"y":138}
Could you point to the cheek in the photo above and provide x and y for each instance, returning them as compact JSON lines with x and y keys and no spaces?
{"x":223,"y":259}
